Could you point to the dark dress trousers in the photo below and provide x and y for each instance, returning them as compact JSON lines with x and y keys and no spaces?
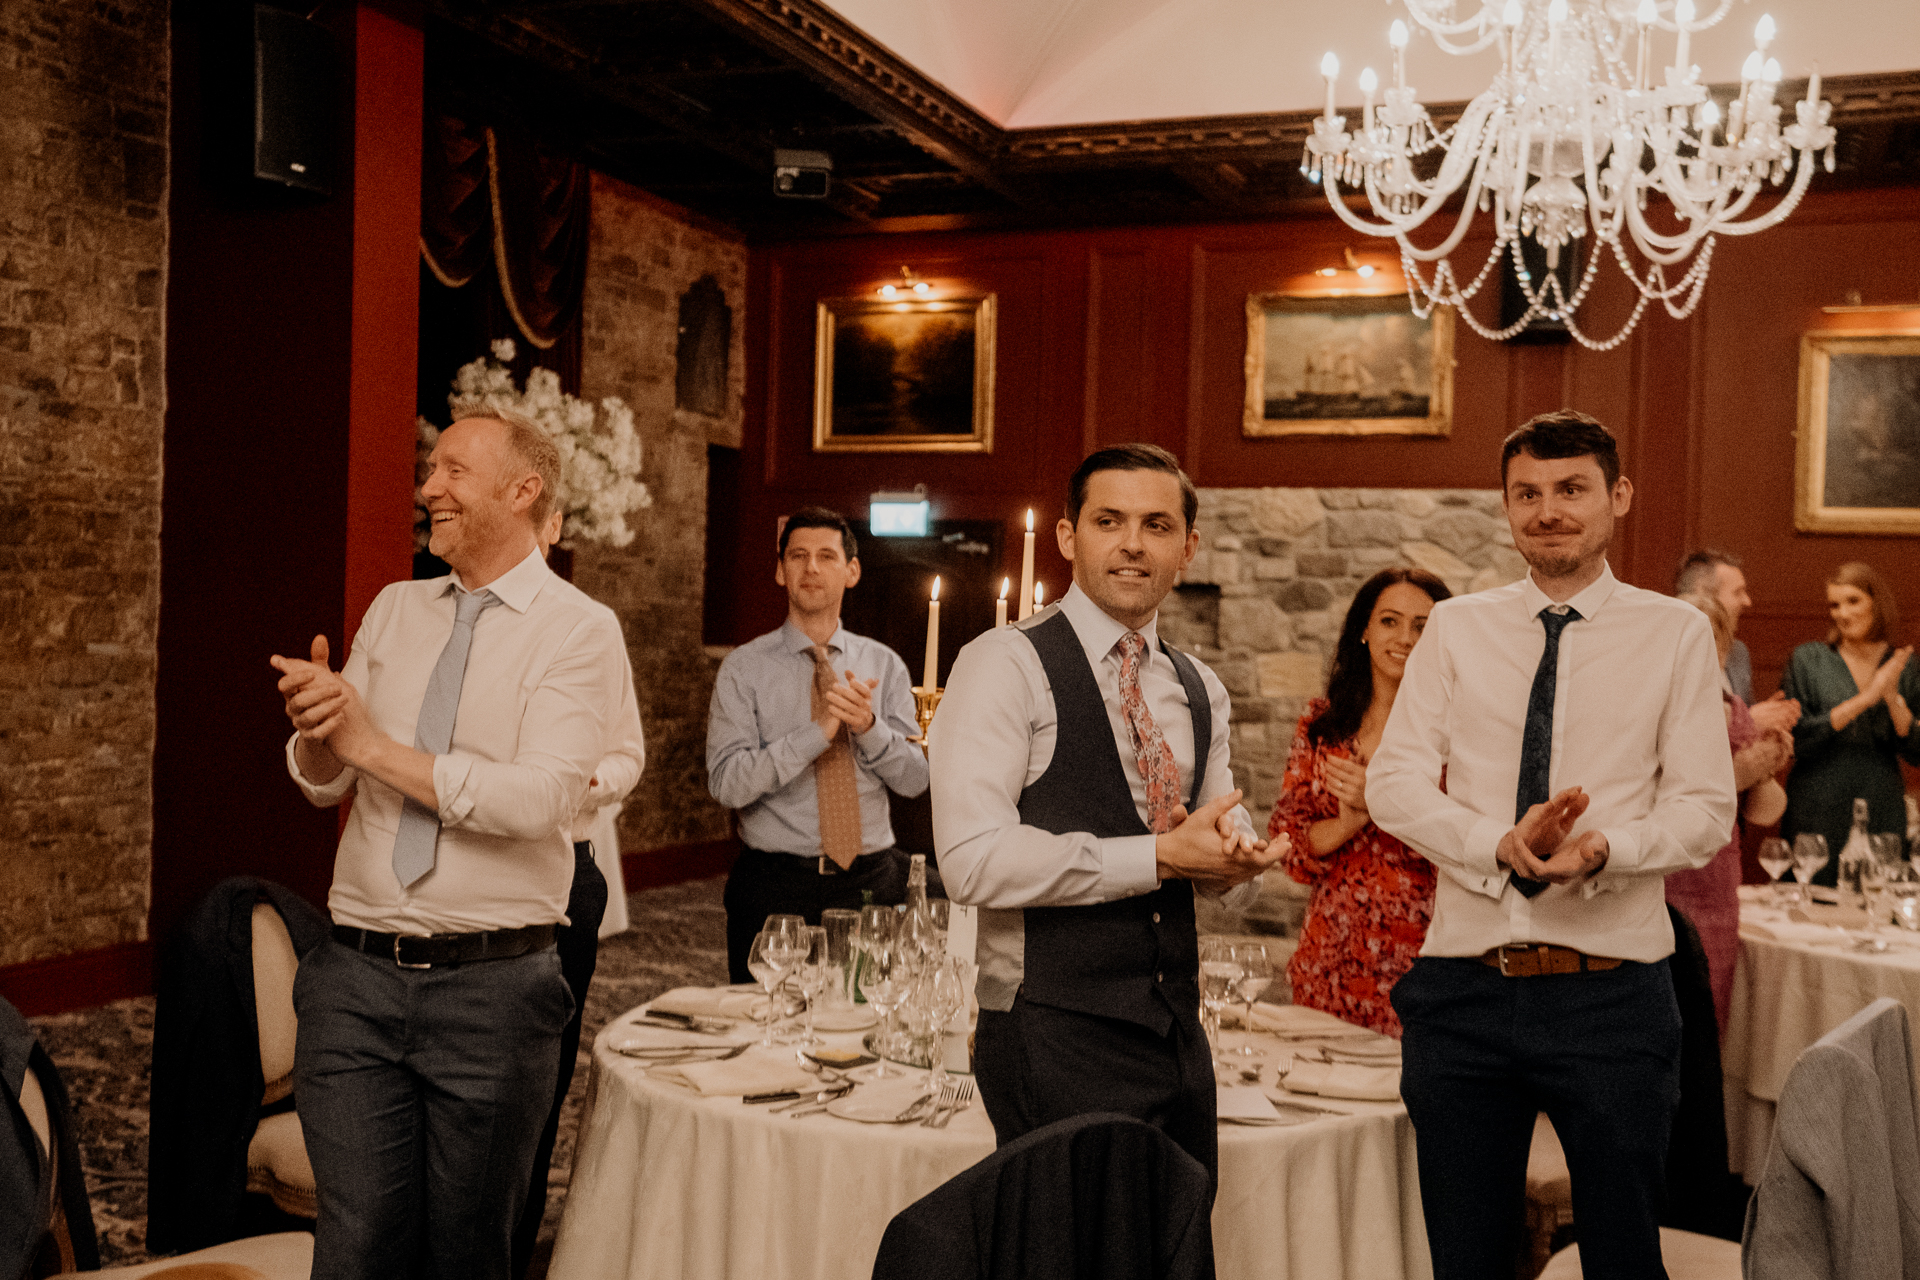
{"x":1108,"y":1015}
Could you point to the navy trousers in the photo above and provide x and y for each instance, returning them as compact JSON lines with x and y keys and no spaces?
{"x":421,"y":1095}
{"x":762,"y":884}
{"x":1036,"y":1064}
{"x":1481,"y":1054}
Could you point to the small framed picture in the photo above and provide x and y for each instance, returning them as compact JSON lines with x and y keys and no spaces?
{"x":903,"y":377}
{"x":1347,"y":366}
{"x":1858,"y":461}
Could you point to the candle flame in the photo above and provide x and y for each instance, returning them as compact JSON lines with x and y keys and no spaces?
{"x":1006,"y":585}
{"x":1369,"y":81}
{"x":1397,"y":34}
{"x":1683,"y":11}
{"x":1771,"y":72}
{"x":936,"y":587}
{"x":1648,"y":12}
{"x":1751,"y":68}
{"x":1763,"y":30}
{"x":1511,"y":15}
{"x":1029,"y":519}
{"x":1557,"y":12}
{"x":1039,"y":593}
{"x":1330,"y":66}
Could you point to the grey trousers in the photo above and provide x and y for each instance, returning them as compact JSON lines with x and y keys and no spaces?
{"x":421,"y":1093}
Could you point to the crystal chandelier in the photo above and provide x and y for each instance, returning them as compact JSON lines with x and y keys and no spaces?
{"x":1572,"y":134}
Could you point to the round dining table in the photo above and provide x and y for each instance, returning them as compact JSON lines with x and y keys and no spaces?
{"x":669,"y":1184}
{"x":1800,"y":974}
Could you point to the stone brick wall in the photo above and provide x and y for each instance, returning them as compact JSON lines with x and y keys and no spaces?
{"x":642,"y":258}
{"x":1277,"y":568}
{"x":83,"y":181}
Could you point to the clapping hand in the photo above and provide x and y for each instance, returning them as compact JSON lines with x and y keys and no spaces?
{"x":1885,"y":684}
{"x":1208,"y":847}
{"x":1540,"y":848}
{"x":326,"y":711}
{"x":1347,"y":780}
{"x":1778,"y":712}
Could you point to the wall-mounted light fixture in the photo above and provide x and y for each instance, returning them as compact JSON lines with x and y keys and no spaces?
{"x":899,"y":515}
{"x":908,"y":283}
{"x":1364,"y":270}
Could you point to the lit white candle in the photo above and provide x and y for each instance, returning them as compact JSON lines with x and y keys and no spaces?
{"x":1330,"y":69}
{"x":1556,"y":18}
{"x":1813,"y":88}
{"x":1026,"y":570}
{"x":1397,"y":37}
{"x":1000,"y":605}
{"x":1763,"y":32}
{"x":1368,"y":83}
{"x":933,"y":639}
{"x":1683,"y":19}
{"x":1039,"y":594}
{"x":1510,"y":18}
{"x":1645,"y":18}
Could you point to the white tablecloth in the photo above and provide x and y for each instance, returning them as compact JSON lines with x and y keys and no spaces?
{"x":1795,"y":982}
{"x":671,"y":1186}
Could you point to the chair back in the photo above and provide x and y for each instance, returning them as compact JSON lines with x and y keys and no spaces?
{"x":274,"y":963}
{"x":1092,"y":1197}
{"x":33,"y":1101}
{"x":1840,"y":1193}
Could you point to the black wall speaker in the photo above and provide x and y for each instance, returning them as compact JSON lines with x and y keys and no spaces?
{"x":1543,"y":330}
{"x":296,"y":100}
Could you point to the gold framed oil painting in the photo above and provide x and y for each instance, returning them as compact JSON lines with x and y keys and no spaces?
{"x":903,"y":377}
{"x":1857,"y":467}
{"x":1347,"y":366}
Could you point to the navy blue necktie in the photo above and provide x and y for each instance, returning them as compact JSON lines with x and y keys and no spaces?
{"x":1536,"y":744}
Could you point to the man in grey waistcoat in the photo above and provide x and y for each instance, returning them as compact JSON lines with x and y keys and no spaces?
{"x":1081,"y":794}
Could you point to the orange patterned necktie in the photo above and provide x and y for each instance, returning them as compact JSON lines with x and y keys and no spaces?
{"x":1157,"y":769}
{"x":833,"y":781}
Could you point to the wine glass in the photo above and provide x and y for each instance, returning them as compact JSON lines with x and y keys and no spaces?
{"x":768,"y":960}
{"x":1218,"y":972}
{"x":885,"y":983}
{"x":1873,"y":900}
{"x":1887,"y":857}
{"x":1256,"y":973}
{"x":841,"y":925}
{"x":1809,"y":855}
{"x":875,"y":931}
{"x":946,"y":996}
{"x":810,"y":975}
{"x":1776,"y":855}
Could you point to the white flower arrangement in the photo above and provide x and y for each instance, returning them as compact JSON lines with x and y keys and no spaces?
{"x":599,"y":450}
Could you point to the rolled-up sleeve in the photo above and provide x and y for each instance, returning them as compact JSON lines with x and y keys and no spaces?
{"x":981,"y":752}
{"x":325,"y":795}
{"x":563,"y":732}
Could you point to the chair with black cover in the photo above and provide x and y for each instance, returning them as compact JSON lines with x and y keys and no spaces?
{"x":1093,"y":1197}
{"x":224,"y":1122}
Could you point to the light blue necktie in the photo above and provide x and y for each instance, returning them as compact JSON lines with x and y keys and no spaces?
{"x":419,"y":829}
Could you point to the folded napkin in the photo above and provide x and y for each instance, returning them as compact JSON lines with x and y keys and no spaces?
{"x":706,"y":1002}
{"x":1343,"y":1080}
{"x":1244,"y":1103}
{"x":1287,"y":1019}
{"x":663,"y":1039}
{"x":752,"y":1072}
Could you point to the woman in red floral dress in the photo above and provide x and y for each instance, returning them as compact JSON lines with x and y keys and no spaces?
{"x":1372,"y":896}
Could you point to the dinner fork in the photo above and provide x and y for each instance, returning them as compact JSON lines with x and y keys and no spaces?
{"x":962,"y":1099}
{"x":949,"y":1089}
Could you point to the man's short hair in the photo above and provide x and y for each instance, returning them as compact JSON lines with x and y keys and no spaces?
{"x":1564,"y":433}
{"x":1130,"y":457}
{"x":528,"y":445}
{"x":1699,"y":571}
{"x":819,"y":518}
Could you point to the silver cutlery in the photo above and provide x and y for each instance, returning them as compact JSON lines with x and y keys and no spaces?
{"x":948,"y":1090}
{"x":914,"y":1109}
{"x":962,"y":1099}
{"x":827,"y":1094}
{"x":669,"y":1057}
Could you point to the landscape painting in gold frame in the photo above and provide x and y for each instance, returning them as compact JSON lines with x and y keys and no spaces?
{"x":903,"y":377}
{"x":1857,"y":466}
{"x":1347,"y":366}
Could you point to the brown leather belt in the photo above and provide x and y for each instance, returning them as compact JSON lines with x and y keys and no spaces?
{"x":1532,"y":959}
{"x":426,"y":950}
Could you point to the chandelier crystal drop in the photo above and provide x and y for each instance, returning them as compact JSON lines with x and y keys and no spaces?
{"x":1573,"y":135}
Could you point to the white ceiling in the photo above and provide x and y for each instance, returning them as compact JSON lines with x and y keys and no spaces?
{"x":1036,"y":63}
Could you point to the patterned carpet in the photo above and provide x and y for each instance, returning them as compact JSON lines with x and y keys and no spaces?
{"x":105,"y":1056}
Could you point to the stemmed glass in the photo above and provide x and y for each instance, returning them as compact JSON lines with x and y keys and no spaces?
{"x":1776,"y":855}
{"x":769,"y":959}
{"x":1218,"y":972}
{"x":946,"y":996}
{"x":875,"y":933}
{"x":1256,"y":972}
{"x":1809,"y":855}
{"x":885,"y":983}
{"x":1887,"y":858}
{"x":811,"y":976}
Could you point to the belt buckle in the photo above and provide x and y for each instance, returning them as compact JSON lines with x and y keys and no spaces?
{"x":827,"y":867}
{"x":1508,"y":950}
{"x":403,"y":964}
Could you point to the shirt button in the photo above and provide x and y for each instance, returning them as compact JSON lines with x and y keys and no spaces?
{"x":1159,"y":977}
{"x":1156,"y":917}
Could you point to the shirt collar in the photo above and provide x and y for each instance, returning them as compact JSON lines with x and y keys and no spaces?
{"x":794,"y":640}
{"x":518,"y":586}
{"x":1097,"y":629}
{"x":1587,"y":603}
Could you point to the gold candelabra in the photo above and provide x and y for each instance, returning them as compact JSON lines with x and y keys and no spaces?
{"x":925,"y":703}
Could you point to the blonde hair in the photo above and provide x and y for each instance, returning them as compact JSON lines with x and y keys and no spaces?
{"x":528,"y":445}
{"x":1716,"y":615}
{"x":1886,"y":610}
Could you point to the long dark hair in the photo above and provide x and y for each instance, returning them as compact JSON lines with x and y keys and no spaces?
{"x":1350,"y":683}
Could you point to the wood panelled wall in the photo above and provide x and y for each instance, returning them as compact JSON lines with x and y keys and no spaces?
{"x":1140,"y":334}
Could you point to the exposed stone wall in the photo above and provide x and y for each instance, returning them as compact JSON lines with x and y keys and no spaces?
{"x":642,"y":258}
{"x":83,"y":237}
{"x":1265,"y":597}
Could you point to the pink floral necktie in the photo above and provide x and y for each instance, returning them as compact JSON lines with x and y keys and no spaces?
{"x":1157,"y":769}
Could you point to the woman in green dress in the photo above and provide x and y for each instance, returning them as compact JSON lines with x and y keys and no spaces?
{"x":1856,"y":721}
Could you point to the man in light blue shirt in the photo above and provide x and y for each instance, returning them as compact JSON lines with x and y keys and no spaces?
{"x":806,"y":719}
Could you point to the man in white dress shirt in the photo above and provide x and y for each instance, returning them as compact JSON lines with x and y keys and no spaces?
{"x":1081,"y":792}
{"x":430,"y":1023}
{"x":1578,"y":723}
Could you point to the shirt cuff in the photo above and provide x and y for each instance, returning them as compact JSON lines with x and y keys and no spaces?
{"x":1128,"y":867}
{"x":1623,"y":850}
{"x":873,"y":743}
{"x":809,"y":743}
{"x":450,"y":773}
{"x":321,"y":794}
{"x":1483,"y":872}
